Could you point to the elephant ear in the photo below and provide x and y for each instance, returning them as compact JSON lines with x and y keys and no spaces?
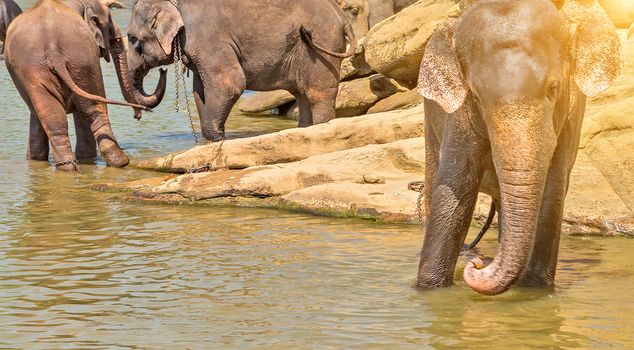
{"x":166,"y":25}
{"x":93,"y":22}
{"x":597,"y":54}
{"x":441,"y":77}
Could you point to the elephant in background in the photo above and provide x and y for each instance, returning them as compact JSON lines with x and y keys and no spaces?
{"x":300,"y":53}
{"x":9,"y":10}
{"x":364,"y":14}
{"x":53,"y":53}
{"x":504,"y":109}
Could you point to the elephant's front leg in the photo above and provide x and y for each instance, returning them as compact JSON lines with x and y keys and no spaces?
{"x":216,"y":91}
{"x":452,"y":204}
{"x":542,"y":265}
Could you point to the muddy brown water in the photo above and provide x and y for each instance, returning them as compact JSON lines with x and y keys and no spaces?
{"x":81,"y":269}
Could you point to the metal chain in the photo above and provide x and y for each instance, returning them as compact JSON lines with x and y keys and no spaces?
{"x":181,"y":82}
{"x":68,"y":162}
{"x":419,"y":205}
{"x":419,"y":186}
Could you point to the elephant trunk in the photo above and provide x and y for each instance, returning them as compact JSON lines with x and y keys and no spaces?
{"x":522,"y":145}
{"x":137,"y":68}
{"x":117,"y":51}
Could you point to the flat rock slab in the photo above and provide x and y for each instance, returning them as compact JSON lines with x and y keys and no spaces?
{"x":294,"y":144}
{"x":371,"y":182}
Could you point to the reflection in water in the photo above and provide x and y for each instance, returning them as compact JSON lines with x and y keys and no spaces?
{"x":80,"y":269}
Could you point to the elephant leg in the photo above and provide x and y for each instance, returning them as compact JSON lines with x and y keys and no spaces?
{"x":453,"y":201}
{"x":432,"y":150}
{"x":52,"y":117}
{"x":38,"y":147}
{"x":103,"y":134}
{"x":95,"y":115}
{"x":215,"y":94}
{"x":316,"y":106}
{"x":541,"y":268}
{"x":86,"y":146}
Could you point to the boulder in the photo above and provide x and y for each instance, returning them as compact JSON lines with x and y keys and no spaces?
{"x":399,"y":5}
{"x":395,"y":47}
{"x":400,"y":100}
{"x":355,"y":67}
{"x":265,"y":101}
{"x":294,"y":144}
{"x":365,"y":165}
{"x":357,"y":96}
{"x":621,"y":12}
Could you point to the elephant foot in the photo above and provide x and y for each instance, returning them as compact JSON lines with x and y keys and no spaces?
{"x":434,"y":280}
{"x":69,"y":165}
{"x":115,"y":157}
{"x":119,"y":160}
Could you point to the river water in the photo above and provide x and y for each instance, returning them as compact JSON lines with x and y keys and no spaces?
{"x":81,"y":269}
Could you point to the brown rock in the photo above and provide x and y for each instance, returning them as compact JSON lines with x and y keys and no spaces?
{"x":294,"y":144}
{"x":400,"y":100}
{"x":357,"y":96}
{"x":395,"y":47}
{"x":621,"y":12}
{"x":265,"y":101}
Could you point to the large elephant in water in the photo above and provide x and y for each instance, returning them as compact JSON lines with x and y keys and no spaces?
{"x":235,"y":45}
{"x":53,"y":53}
{"x":504,"y":109}
{"x":9,"y":10}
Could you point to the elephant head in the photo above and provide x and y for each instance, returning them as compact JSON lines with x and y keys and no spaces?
{"x":109,"y":40}
{"x":520,"y":76}
{"x":151,"y":34}
{"x":358,"y":13}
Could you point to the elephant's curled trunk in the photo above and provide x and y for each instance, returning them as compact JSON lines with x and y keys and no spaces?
{"x":521,"y":161}
{"x":132,"y":89}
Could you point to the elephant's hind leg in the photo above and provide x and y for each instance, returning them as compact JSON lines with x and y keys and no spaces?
{"x":86,"y":146}
{"x":38,"y":148}
{"x":52,"y":117}
{"x":316,"y":106}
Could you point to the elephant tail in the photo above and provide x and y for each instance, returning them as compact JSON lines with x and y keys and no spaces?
{"x":59,"y":66}
{"x":307,"y":37}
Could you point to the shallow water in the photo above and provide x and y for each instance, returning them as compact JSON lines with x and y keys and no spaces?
{"x":81,"y":269}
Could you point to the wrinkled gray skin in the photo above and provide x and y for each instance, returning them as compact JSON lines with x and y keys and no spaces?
{"x":364,"y":14}
{"x":235,"y":45}
{"x":9,"y":10}
{"x":53,"y":53}
{"x":503,"y":116}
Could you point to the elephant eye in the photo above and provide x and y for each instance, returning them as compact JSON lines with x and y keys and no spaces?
{"x":96,"y":21}
{"x":132,"y":39}
{"x":355,"y":11}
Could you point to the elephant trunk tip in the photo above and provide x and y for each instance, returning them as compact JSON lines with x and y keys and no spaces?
{"x":481,"y":280}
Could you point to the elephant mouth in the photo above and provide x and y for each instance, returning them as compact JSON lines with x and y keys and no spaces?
{"x":105,"y":54}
